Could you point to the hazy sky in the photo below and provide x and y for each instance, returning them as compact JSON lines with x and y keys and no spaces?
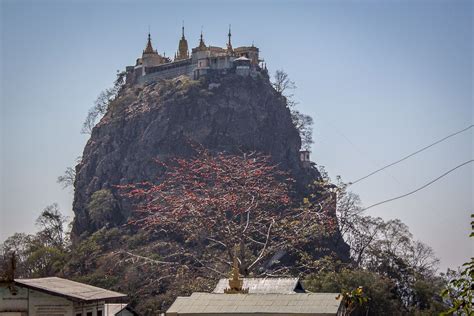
{"x":381,"y":79}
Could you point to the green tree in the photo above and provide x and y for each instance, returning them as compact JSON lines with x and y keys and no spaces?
{"x":19,"y":244}
{"x":378,"y":290}
{"x":51,"y":223}
{"x":103,"y":207}
{"x":352,"y":300}
{"x":426,"y":293}
{"x":41,"y":254}
{"x":388,"y":249}
{"x":459,"y":291}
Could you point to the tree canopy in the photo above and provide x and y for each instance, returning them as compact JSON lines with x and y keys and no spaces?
{"x":219,"y":201}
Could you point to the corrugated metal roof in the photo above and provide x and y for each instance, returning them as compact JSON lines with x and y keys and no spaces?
{"x":69,"y":289}
{"x":116,"y":309}
{"x":265,"y":285}
{"x":298,"y":303}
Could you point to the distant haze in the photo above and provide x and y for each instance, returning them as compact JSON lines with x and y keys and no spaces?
{"x":381,"y":80}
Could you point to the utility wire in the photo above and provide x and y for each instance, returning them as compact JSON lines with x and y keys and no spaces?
{"x":362,"y":153}
{"x":411,"y":155}
{"x":420,"y":188}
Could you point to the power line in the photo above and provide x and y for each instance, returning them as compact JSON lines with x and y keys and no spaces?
{"x":420,"y":188}
{"x":362,"y":153}
{"x":411,"y":155}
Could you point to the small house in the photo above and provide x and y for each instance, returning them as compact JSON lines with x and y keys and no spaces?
{"x":59,"y":297}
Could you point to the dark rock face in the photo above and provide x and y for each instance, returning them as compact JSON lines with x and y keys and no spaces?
{"x":163,"y":119}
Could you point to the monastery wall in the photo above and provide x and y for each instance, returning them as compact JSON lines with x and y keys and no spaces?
{"x":170,"y":73}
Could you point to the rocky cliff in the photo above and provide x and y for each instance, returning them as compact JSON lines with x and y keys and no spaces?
{"x":163,"y":119}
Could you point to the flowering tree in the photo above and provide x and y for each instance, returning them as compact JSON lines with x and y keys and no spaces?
{"x":216,"y":202}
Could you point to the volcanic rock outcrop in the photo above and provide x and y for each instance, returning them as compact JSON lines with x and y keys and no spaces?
{"x":163,"y":119}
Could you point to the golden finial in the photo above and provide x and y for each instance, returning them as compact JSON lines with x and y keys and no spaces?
{"x":235,"y":282}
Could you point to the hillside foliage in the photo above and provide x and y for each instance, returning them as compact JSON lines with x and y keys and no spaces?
{"x":155,"y":263}
{"x":177,"y":228}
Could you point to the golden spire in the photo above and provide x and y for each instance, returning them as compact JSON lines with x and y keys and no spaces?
{"x":183,"y":52}
{"x":149,"y":47}
{"x":229,"y":44}
{"x":235,"y":283}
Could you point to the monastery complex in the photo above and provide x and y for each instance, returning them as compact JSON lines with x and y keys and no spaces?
{"x":204,"y":60}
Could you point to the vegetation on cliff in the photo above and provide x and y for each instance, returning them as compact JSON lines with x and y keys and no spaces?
{"x":162,"y":120}
{"x":178,"y":173}
{"x":393,"y":276}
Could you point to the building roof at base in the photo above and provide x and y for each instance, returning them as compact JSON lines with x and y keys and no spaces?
{"x":69,"y":289}
{"x":265,"y":285}
{"x":115,"y":309}
{"x":298,"y":303}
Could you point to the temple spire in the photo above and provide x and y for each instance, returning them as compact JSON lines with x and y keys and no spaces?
{"x":229,"y":43}
{"x":183,"y":52}
{"x":202,"y":45}
{"x":149,"y":47}
{"x":235,"y":282}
